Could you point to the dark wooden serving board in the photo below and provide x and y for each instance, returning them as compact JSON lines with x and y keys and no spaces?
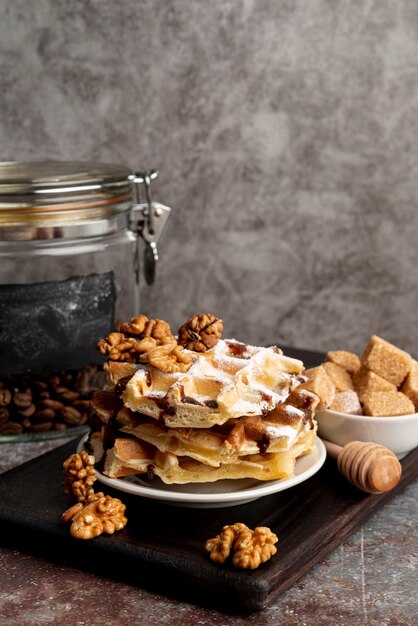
{"x":162,"y":547}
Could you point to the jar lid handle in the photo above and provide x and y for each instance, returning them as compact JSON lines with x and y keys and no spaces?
{"x":148,"y":220}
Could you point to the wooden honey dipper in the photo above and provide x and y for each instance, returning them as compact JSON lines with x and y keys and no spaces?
{"x":368,"y":466}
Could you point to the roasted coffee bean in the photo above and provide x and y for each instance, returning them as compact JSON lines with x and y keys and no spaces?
{"x":29,"y":411}
{"x":70,"y":396}
{"x":5,"y":397}
{"x":55,"y":405}
{"x":40,"y":427}
{"x":45,"y":415}
{"x":61,"y":389}
{"x":40,"y":384}
{"x":70,"y":415}
{"x":11,"y":428}
{"x":22,"y":399}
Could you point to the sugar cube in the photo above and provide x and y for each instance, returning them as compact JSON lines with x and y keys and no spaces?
{"x":386,"y":360}
{"x":347,"y":402}
{"x":387,"y":403}
{"x":366,"y":382}
{"x":348,"y":360}
{"x":339,"y":376}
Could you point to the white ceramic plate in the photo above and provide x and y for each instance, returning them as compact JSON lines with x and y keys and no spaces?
{"x":221,"y":493}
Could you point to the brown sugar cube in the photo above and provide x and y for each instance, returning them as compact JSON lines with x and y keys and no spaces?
{"x":347,"y":402}
{"x":387,"y":403}
{"x":339,"y":376}
{"x":386,"y":360}
{"x":320,"y":384}
{"x":410,"y":385}
{"x":348,"y":360}
{"x":366,"y":382}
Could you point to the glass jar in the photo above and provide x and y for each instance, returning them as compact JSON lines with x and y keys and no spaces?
{"x":69,"y":273}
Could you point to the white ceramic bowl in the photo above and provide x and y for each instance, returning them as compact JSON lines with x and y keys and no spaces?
{"x":398,"y":433}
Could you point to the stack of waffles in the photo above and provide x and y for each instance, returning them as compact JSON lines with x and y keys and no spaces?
{"x":239,"y":411}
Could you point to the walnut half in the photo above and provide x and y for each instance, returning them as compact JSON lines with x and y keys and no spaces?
{"x":141,"y":327}
{"x":169,"y":357}
{"x":201,"y":332}
{"x":79,"y":476}
{"x":220,"y":546}
{"x":101,"y":514}
{"x":119,"y":347}
{"x":254,"y":547}
{"x":250,"y":548}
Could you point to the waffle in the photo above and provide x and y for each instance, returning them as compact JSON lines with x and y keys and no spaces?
{"x":278,"y":431}
{"x":212,"y":447}
{"x":218,"y":387}
{"x":132,"y":456}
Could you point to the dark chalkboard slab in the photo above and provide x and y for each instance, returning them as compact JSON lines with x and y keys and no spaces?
{"x":162,"y":547}
{"x":54,"y":325}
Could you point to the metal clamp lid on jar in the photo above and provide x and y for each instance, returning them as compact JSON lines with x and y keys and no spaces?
{"x":68,"y":200}
{"x":148,"y":220}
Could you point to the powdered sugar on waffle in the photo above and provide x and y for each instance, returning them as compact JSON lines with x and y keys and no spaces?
{"x":274,"y":432}
{"x":265,"y":381}
{"x":292,"y":411}
{"x":231,"y":380}
{"x":148,"y":380}
{"x":206,"y":368}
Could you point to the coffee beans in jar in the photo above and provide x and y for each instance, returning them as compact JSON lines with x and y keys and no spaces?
{"x":55,"y":401}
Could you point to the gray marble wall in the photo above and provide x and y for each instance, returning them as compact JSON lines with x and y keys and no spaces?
{"x":285,"y":132}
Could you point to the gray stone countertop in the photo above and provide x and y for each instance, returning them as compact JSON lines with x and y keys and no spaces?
{"x":370,"y":579}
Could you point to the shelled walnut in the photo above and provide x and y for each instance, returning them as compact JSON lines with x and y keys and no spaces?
{"x":201,"y":332}
{"x":119,"y":347}
{"x":135,"y":338}
{"x":141,"y":327}
{"x":169,"y":358}
{"x":250,"y":548}
{"x":100,"y":514}
{"x":79,"y":476}
{"x":220,"y":546}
